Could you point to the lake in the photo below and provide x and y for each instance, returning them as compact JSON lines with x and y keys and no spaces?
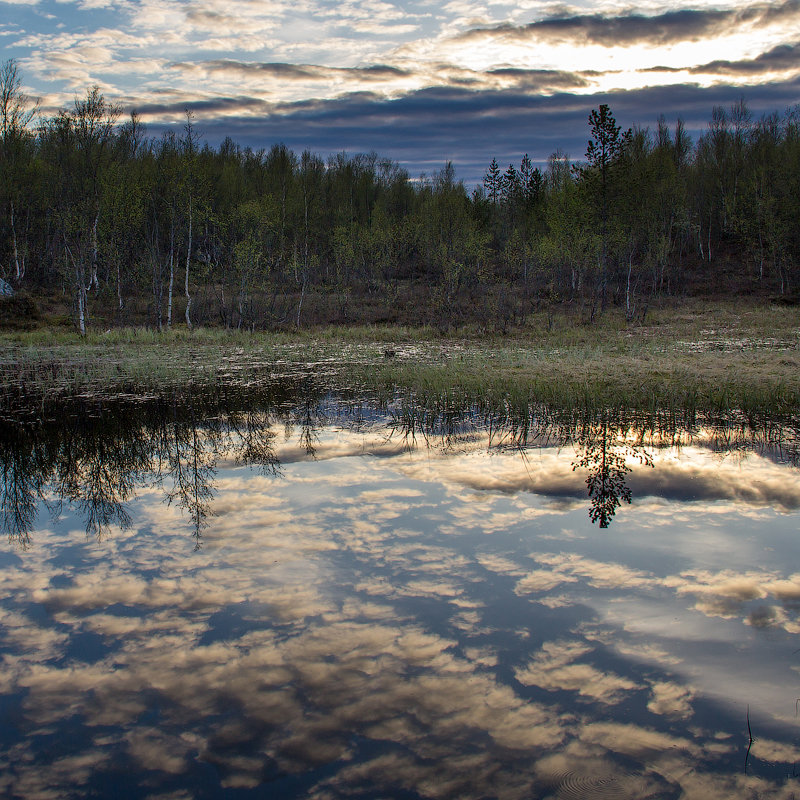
{"x":294,"y":593}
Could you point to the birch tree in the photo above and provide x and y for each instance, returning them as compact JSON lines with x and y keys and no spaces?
{"x":77,"y":150}
{"x":16,"y":115}
{"x":92,"y":122}
{"x":190,"y":179}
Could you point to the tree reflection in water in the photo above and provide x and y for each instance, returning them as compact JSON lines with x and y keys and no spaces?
{"x":21,"y":486}
{"x":191,"y":460}
{"x":408,"y":628}
{"x":92,"y":453}
{"x":606,"y":454}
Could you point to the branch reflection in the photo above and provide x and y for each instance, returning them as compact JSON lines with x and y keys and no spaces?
{"x":91,"y":454}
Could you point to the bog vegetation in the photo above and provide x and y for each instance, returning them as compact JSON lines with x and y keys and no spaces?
{"x":105,"y":225}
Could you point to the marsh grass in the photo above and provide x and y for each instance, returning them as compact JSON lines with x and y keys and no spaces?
{"x":699,"y":384}
{"x":691,"y":356}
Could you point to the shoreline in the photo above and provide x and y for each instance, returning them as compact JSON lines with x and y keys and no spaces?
{"x":715,"y":357}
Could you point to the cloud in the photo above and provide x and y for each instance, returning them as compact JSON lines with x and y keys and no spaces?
{"x":282,"y":82}
{"x":332,"y":622}
{"x":211,"y":106}
{"x":499,"y":564}
{"x":600,"y":574}
{"x":210,"y":20}
{"x":368,"y":79}
{"x":555,"y":669}
{"x":670,"y":699}
{"x":729,"y":594}
{"x":233,"y":68}
{"x":670,"y":27}
{"x":425,"y":128}
{"x":636,"y":741}
{"x":782,"y":58}
{"x":541,"y":80}
{"x":775,"y":752}
{"x":542,"y":580}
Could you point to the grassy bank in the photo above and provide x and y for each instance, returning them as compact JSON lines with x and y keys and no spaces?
{"x":703,"y":356}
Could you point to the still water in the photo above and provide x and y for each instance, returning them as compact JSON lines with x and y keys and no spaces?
{"x":326,"y":598}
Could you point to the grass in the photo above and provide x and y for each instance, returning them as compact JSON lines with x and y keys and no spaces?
{"x":697,"y":356}
{"x":707,"y":382}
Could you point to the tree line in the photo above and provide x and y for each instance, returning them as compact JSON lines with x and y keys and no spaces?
{"x":111,"y":219}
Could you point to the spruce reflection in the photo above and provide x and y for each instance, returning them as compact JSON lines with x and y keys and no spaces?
{"x":610,"y":443}
{"x":606,"y":453}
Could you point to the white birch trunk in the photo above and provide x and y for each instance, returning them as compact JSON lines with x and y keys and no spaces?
{"x":19,"y":270}
{"x":188,"y":257}
{"x":171,"y":272}
{"x":628,"y":312}
{"x":82,"y":310}
{"x":94,"y":282}
{"x":300,"y":304}
{"x":82,"y":289}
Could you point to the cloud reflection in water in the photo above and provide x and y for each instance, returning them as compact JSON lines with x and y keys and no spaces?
{"x":430,"y":622}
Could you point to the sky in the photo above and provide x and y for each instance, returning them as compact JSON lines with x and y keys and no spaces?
{"x":420,"y":83}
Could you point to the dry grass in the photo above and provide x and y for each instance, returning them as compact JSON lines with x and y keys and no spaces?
{"x":719,"y":356}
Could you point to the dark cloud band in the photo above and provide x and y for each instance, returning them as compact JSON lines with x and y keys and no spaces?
{"x":285,"y":71}
{"x":780,"y":59}
{"x":670,"y":27}
{"x":426,"y":128}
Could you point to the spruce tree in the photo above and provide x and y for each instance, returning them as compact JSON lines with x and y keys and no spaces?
{"x":491,"y":182}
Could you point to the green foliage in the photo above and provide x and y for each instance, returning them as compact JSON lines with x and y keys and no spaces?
{"x":113,"y":222}
{"x":492,"y":182}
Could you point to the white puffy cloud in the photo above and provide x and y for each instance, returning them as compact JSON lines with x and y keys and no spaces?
{"x":177,"y":46}
{"x":556,"y":668}
{"x":670,"y":699}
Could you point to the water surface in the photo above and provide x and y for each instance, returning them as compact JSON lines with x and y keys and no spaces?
{"x":316,"y":596}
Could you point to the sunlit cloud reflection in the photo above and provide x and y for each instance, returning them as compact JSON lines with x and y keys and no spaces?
{"x":371,"y":618}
